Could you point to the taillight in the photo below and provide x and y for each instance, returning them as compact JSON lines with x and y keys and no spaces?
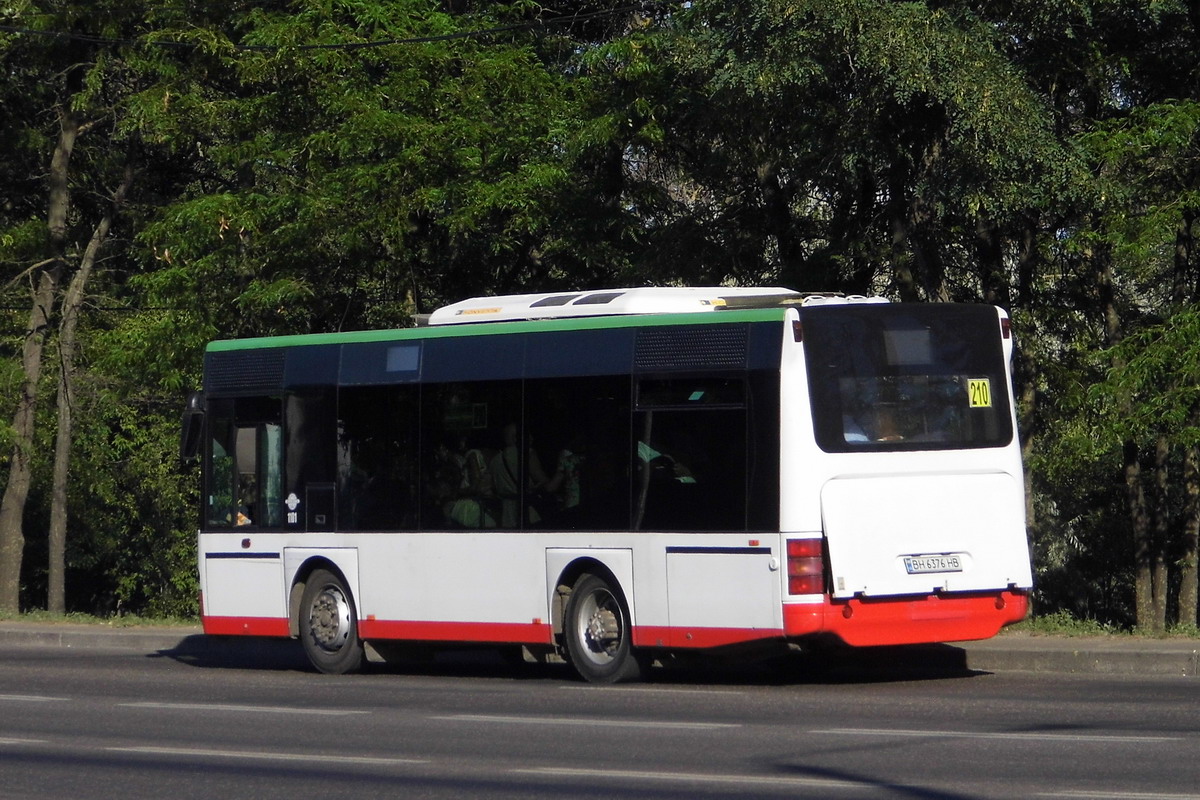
{"x":806,"y":566}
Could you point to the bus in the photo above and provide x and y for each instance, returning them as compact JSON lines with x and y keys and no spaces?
{"x":616,"y":477}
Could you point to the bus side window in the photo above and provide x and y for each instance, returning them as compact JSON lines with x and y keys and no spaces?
{"x":579,"y":427}
{"x":377,"y":438}
{"x":471,"y":461}
{"x":690,"y":455}
{"x":245,"y":470}
{"x":219,"y":494}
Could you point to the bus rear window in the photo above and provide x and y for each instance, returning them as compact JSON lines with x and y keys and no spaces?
{"x":906,"y":377}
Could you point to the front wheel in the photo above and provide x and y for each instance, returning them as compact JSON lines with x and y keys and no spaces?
{"x":329,"y":625}
{"x":598,"y":634}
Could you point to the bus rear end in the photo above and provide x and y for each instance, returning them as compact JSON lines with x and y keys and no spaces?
{"x":903,"y":501}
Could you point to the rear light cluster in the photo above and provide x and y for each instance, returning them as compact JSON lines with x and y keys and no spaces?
{"x":806,"y":566}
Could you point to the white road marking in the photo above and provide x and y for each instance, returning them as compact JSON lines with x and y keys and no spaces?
{"x":31,"y":698}
{"x":7,"y":741}
{"x":1021,"y":737}
{"x":695,"y":777}
{"x":589,"y":723}
{"x":1081,"y":794}
{"x":651,"y":690}
{"x":326,"y":712}
{"x":315,"y":758}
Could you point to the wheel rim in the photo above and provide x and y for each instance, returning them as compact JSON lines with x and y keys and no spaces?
{"x":329,"y":619}
{"x":600,"y":627}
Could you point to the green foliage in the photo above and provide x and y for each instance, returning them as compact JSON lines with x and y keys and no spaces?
{"x":1157,"y":369}
{"x":445,"y":148}
{"x":133,"y":544}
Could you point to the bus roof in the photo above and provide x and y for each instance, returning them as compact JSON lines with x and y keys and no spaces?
{"x":620,"y":302}
{"x":539,"y":312}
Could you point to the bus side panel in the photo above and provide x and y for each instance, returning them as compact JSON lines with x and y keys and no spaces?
{"x":722,"y":595}
{"x":243,"y":589}
{"x":465,"y":587}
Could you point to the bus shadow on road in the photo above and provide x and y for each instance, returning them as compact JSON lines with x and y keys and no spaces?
{"x":831,"y":665}
{"x":827,"y":665}
{"x":238,"y":652}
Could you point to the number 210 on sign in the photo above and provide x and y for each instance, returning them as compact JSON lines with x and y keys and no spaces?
{"x":980,"y":392}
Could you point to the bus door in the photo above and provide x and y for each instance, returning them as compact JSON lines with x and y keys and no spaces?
{"x":692,"y":466}
{"x":243,"y":577}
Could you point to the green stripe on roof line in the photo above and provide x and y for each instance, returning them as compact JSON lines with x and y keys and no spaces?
{"x":498,"y":328}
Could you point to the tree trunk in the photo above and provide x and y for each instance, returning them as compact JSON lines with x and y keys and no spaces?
{"x":1189,"y":592}
{"x":1027,"y":403}
{"x":989,"y":249}
{"x":1161,"y":518}
{"x":897,"y":208}
{"x":67,"y":345}
{"x":1026,"y":366}
{"x":924,"y":239}
{"x":1143,"y":547}
{"x":16,"y":492}
{"x":1184,"y":290}
{"x":777,"y":198}
{"x":1135,"y":496}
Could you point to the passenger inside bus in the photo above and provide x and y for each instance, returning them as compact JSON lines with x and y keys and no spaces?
{"x":247,"y":498}
{"x":505,"y":469}
{"x":565,"y":484}
{"x":469,"y":500}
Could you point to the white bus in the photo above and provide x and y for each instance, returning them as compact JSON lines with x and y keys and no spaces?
{"x":616,"y":476}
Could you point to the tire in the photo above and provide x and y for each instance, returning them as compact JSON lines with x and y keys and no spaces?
{"x":329,"y":625}
{"x":597,"y":632}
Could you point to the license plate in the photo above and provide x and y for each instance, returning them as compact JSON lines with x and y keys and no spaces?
{"x":921,"y":565}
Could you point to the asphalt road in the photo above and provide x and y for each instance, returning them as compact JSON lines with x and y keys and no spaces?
{"x":97,"y":722}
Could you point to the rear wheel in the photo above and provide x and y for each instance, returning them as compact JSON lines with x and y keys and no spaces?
{"x":598,"y":635}
{"x":328,"y":625}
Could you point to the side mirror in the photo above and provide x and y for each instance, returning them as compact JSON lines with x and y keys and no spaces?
{"x":191,"y":426}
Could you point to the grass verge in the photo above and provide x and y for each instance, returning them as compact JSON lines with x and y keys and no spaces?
{"x":119,"y":621}
{"x":1063,"y":623}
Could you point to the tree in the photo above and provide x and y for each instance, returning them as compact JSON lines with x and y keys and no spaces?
{"x":69,"y":108}
{"x":447,"y":147}
{"x":44,"y":276}
{"x":826,"y":146}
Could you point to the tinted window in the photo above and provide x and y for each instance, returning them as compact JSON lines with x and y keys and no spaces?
{"x":579,"y":430}
{"x":906,"y":377}
{"x":245,"y":473}
{"x":377,"y":457}
{"x":690,"y":454}
{"x":473,"y":468}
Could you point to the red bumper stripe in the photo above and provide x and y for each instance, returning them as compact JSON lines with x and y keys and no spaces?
{"x":246,"y":626}
{"x":916,"y":620}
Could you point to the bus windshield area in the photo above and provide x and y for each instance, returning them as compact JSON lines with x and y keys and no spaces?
{"x":907,"y":377}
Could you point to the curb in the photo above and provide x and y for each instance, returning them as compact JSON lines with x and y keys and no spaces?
{"x":97,"y":637}
{"x":1005,"y":653}
{"x":1102,"y":656}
